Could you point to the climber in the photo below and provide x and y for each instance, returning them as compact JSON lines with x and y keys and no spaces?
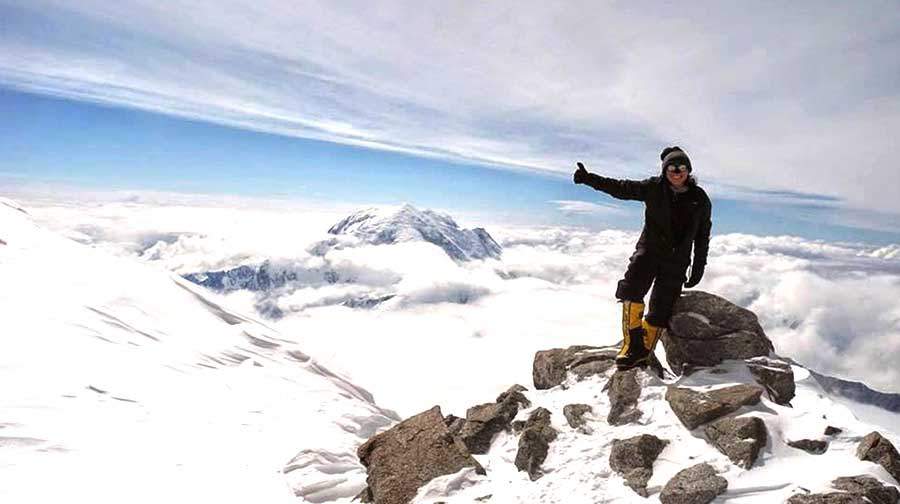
{"x":677,"y":217}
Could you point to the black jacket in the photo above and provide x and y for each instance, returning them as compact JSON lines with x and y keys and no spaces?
{"x":657,"y":236}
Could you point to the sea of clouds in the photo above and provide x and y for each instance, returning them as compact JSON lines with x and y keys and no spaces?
{"x":464,"y":330}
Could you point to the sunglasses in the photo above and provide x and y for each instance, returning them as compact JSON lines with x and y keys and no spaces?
{"x":676,"y":169}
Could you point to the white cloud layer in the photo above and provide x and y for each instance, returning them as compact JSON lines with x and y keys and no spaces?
{"x":832,"y":306}
{"x":801,"y":97}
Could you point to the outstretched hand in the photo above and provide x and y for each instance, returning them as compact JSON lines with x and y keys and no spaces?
{"x":580,"y":175}
{"x":696,"y":275}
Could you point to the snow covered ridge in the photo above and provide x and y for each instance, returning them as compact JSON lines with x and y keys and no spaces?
{"x":739,"y":424}
{"x":124,"y":383}
{"x":387,"y":225}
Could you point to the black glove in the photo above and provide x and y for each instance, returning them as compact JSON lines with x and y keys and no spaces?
{"x":696,"y":275}
{"x":580,"y":176}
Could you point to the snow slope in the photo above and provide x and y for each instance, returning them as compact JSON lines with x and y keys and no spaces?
{"x":125,"y":383}
{"x":577,"y":467}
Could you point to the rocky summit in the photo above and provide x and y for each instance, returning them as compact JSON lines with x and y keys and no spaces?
{"x":732,"y":422}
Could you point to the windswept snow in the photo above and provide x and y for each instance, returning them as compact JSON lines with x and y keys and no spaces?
{"x":123,"y":383}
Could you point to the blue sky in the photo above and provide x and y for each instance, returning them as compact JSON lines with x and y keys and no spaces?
{"x":81,"y":144}
{"x":791,"y":125}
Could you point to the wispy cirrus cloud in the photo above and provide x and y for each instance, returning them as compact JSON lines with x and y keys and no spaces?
{"x":805,"y":104}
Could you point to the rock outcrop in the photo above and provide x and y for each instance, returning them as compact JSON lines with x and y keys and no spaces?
{"x":623,"y":390}
{"x":695,"y":408}
{"x":875,"y":448}
{"x":534,"y":443}
{"x":633,"y":458}
{"x":551,"y":367}
{"x":410,"y":454}
{"x":813,"y":446}
{"x":775,"y":376}
{"x":853,"y":490}
{"x":574,"y":414}
{"x":484,"y":421}
{"x":741,"y":439}
{"x":698,"y":484}
{"x":706,"y":329}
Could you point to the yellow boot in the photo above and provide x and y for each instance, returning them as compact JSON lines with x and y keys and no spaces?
{"x":651,"y":335}
{"x":634,"y":349}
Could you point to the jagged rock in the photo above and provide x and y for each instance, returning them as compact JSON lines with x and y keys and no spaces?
{"x":776,"y":376}
{"x":740,"y":439}
{"x":515,"y":395}
{"x":633,"y":458}
{"x":697,"y":484}
{"x":574,"y":414}
{"x":410,"y":454}
{"x":869,"y":487}
{"x":831,"y":431}
{"x":534,"y":443}
{"x":829,"y":498}
{"x":486,"y":420}
{"x":518,"y":426}
{"x":624,"y":390}
{"x":814,"y":446}
{"x":706,"y":329}
{"x":875,"y":448}
{"x":551,"y":366}
{"x":695,"y":408}
{"x":454,"y":424}
{"x":854,"y":490}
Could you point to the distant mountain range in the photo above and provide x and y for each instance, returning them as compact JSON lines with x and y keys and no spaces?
{"x":374,"y":226}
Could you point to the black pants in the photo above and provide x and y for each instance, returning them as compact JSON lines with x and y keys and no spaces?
{"x":645,"y":267}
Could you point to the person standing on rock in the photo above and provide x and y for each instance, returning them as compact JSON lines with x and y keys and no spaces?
{"x":677,"y":217}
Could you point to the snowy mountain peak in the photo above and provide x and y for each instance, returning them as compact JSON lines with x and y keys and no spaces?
{"x":392,"y":224}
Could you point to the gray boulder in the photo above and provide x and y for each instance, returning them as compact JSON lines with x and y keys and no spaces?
{"x":695,"y":408}
{"x":633,"y":458}
{"x":623,"y":390}
{"x":410,"y":454}
{"x":534,"y":443}
{"x":831,"y":430}
{"x":776,"y":376}
{"x":484,"y":421}
{"x":875,"y":448}
{"x":741,"y":439}
{"x":813,"y":446}
{"x":574,"y":414}
{"x":706,"y":329}
{"x":697,"y":484}
{"x":868,"y":487}
{"x":551,"y":366}
{"x":861,"y":489}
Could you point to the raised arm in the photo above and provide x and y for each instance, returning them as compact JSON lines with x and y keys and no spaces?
{"x":620,"y":189}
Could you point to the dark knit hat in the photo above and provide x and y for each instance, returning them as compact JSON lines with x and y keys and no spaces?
{"x":674,"y":155}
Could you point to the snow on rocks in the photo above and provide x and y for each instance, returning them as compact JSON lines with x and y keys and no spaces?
{"x":722,"y":331}
{"x":776,"y":376}
{"x":695,"y":408}
{"x":551,"y":367}
{"x":534,"y":442}
{"x":624,"y":390}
